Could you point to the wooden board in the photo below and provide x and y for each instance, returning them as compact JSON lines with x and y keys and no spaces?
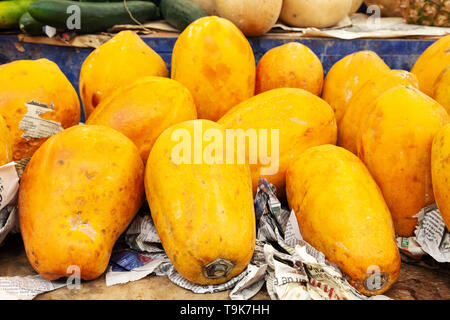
{"x":415,"y":283}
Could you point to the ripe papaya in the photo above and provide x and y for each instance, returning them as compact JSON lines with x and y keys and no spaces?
{"x":78,"y":194}
{"x":361,"y":104}
{"x":341,"y":212}
{"x":285,"y":122}
{"x":431,"y":63}
{"x":440,"y":172}
{"x":202,"y":207}
{"x":5,"y":143}
{"x":292,"y":65}
{"x":394,"y":142}
{"x":118,"y":62}
{"x":31,"y":89}
{"x":441,"y":89}
{"x":348,"y":75}
{"x":215,"y":61}
{"x":144,"y":109}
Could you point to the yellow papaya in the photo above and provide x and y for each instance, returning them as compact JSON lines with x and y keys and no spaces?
{"x":292,"y":65}
{"x":348,"y":75}
{"x":31,"y":89}
{"x":341,"y":212}
{"x":202,"y":207}
{"x":440,"y":172}
{"x":394,"y":142}
{"x":215,"y":61}
{"x":144,"y":109}
{"x":361,"y":104}
{"x":78,"y":194}
{"x":441,"y":89}
{"x":431,"y":63}
{"x":5,"y":143}
{"x":116,"y":63}
{"x":288,"y":121}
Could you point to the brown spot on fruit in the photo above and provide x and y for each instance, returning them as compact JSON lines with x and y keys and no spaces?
{"x":80,"y":201}
{"x":90,"y":175}
{"x":96,"y":97}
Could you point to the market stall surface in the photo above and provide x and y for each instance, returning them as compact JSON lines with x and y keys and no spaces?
{"x":415,"y":283}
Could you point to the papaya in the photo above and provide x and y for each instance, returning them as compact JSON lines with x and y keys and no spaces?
{"x":292,"y":65}
{"x":144,"y":109}
{"x":202,"y":206}
{"x":394,"y":142}
{"x":361,"y":104}
{"x":116,"y":63}
{"x":348,"y":75}
{"x":341,"y":212}
{"x":431,"y":63}
{"x":288,"y":121}
{"x":441,"y":89}
{"x":31,"y":89}
{"x":78,"y":194}
{"x":440,"y":155}
{"x":215,"y":61}
{"x":5,"y":143}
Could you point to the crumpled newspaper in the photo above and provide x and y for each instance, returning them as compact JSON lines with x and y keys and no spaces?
{"x":431,"y":237}
{"x":146,"y":256}
{"x":366,"y":26}
{"x":26,"y":288}
{"x":289,"y":266}
{"x":9,"y":186}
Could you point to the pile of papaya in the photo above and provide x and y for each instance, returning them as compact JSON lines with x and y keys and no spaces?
{"x":360,"y":152}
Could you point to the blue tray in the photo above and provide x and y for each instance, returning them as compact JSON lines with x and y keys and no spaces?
{"x":397,"y":53}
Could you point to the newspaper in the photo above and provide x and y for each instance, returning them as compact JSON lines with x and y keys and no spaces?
{"x":9,"y":186}
{"x":364,"y":26}
{"x":298,"y":271}
{"x":36,"y":127}
{"x":431,"y":237}
{"x":147,"y":257}
{"x":26,"y":288}
{"x":131,"y":266}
